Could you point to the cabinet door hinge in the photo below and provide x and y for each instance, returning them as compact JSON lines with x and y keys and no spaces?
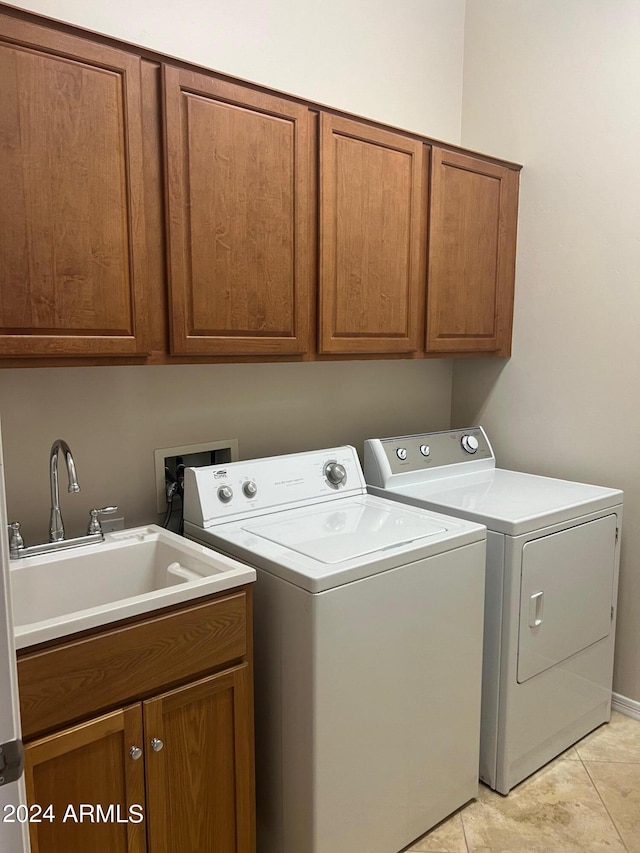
{"x":612,"y":612}
{"x":617,"y":533}
{"x":11,"y":761}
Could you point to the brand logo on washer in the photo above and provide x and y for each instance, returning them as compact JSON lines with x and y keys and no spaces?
{"x":218,"y":475}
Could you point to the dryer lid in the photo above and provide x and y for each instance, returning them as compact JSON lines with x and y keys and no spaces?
{"x":509,"y":502}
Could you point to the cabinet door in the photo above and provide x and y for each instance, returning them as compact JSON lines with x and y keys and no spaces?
{"x":200,"y":785}
{"x":239,"y":205}
{"x":472,"y":240}
{"x":71,"y":218}
{"x":370,"y":239}
{"x":75,"y":771}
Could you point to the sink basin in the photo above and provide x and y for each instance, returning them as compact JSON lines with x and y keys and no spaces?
{"x":132,"y":572}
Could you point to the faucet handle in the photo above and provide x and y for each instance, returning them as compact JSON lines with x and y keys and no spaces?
{"x":94,"y":521}
{"x":16,"y":542}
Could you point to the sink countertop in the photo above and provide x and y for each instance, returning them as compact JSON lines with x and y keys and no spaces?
{"x":133,"y":572}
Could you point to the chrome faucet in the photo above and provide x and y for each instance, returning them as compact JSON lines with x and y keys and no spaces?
{"x":56,"y":527}
{"x":57,"y":542}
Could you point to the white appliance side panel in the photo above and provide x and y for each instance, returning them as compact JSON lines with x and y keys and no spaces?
{"x":13,"y":836}
{"x":283,"y":616}
{"x":493,"y":630}
{"x":398,"y":660}
{"x":566,"y":595}
{"x":367,"y":705}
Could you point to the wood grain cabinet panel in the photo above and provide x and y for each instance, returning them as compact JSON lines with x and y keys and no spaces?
{"x":472,"y":240}
{"x":193,"y":774}
{"x":71,"y":219}
{"x":120,"y":664}
{"x":87,"y":766}
{"x":239,"y":227}
{"x":371,"y":201}
{"x":200,"y":783}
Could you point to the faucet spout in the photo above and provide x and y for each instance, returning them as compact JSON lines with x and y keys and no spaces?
{"x":56,"y":527}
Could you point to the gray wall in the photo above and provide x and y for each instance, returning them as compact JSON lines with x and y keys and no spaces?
{"x":556,"y":86}
{"x":114,"y":418}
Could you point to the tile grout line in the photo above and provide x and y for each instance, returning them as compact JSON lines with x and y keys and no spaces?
{"x":604,"y":805}
{"x":464,"y":831}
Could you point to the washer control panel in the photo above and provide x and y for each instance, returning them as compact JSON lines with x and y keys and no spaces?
{"x":220,"y":493}
{"x":423,"y":452}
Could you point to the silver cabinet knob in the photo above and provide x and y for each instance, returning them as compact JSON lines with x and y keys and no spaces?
{"x":401,"y":453}
{"x":135,"y":752}
{"x":469,"y":443}
{"x":225,"y":493}
{"x":156,"y":744}
{"x":250,"y":489}
{"x":335,"y":473}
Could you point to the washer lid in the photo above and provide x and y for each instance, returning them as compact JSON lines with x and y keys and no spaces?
{"x":508,"y":502}
{"x":345,"y":530}
{"x":332,"y":543}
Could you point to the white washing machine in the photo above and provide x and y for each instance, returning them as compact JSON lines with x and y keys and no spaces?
{"x":552,"y":575}
{"x":368,"y":649}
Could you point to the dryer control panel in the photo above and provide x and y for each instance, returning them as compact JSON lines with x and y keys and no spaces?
{"x":389,"y":457}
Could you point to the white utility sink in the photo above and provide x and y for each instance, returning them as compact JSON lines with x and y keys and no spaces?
{"x":132,"y":572}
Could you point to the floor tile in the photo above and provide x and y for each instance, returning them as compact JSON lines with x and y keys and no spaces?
{"x":447,"y":837}
{"x":618,"y":740}
{"x":570,"y":754}
{"x":557,"y":810}
{"x":619,"y":786}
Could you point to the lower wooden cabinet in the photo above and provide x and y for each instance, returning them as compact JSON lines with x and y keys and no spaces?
{"x":86,"y":784}
{"x":199,"y":766}
{"x":85,"y":791}
{"x":171,"y":770}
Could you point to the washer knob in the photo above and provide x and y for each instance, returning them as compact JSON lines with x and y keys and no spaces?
{"x":225,"y":493}
{"x":469,"y":443}
{"x":335,"y":473}
{"x":425,"y":450}
{"x":250,"y":489}
{"x":401,"y":453}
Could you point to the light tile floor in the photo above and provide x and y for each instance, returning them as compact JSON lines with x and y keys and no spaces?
{"x":586,"y":800}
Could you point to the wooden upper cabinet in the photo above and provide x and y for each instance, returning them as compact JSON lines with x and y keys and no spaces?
{"x":71,"y":218}
{"x":200,"y":791}
{"x":239,"y":218}
{"x":83,"y":767}
{"x":472,"y":242}
{"x":371,"y":205}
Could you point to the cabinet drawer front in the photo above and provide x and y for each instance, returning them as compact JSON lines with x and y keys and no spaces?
{"x":71,"y":681}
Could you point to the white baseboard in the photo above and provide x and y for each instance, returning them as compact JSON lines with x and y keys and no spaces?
{"x":626,"y":706}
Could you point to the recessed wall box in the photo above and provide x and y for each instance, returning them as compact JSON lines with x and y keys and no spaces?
{"x":192,"y":456}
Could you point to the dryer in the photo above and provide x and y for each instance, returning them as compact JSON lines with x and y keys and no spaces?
{"x":368,"y":649}
{"x":553,"y":549}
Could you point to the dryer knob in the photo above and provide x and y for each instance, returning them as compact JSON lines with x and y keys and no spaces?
{"x":469,"y":443}
{"x":401,"y":453}
{"x":335,"y":473}
{"x":425,"y":450}
{"x":225,"y":493}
